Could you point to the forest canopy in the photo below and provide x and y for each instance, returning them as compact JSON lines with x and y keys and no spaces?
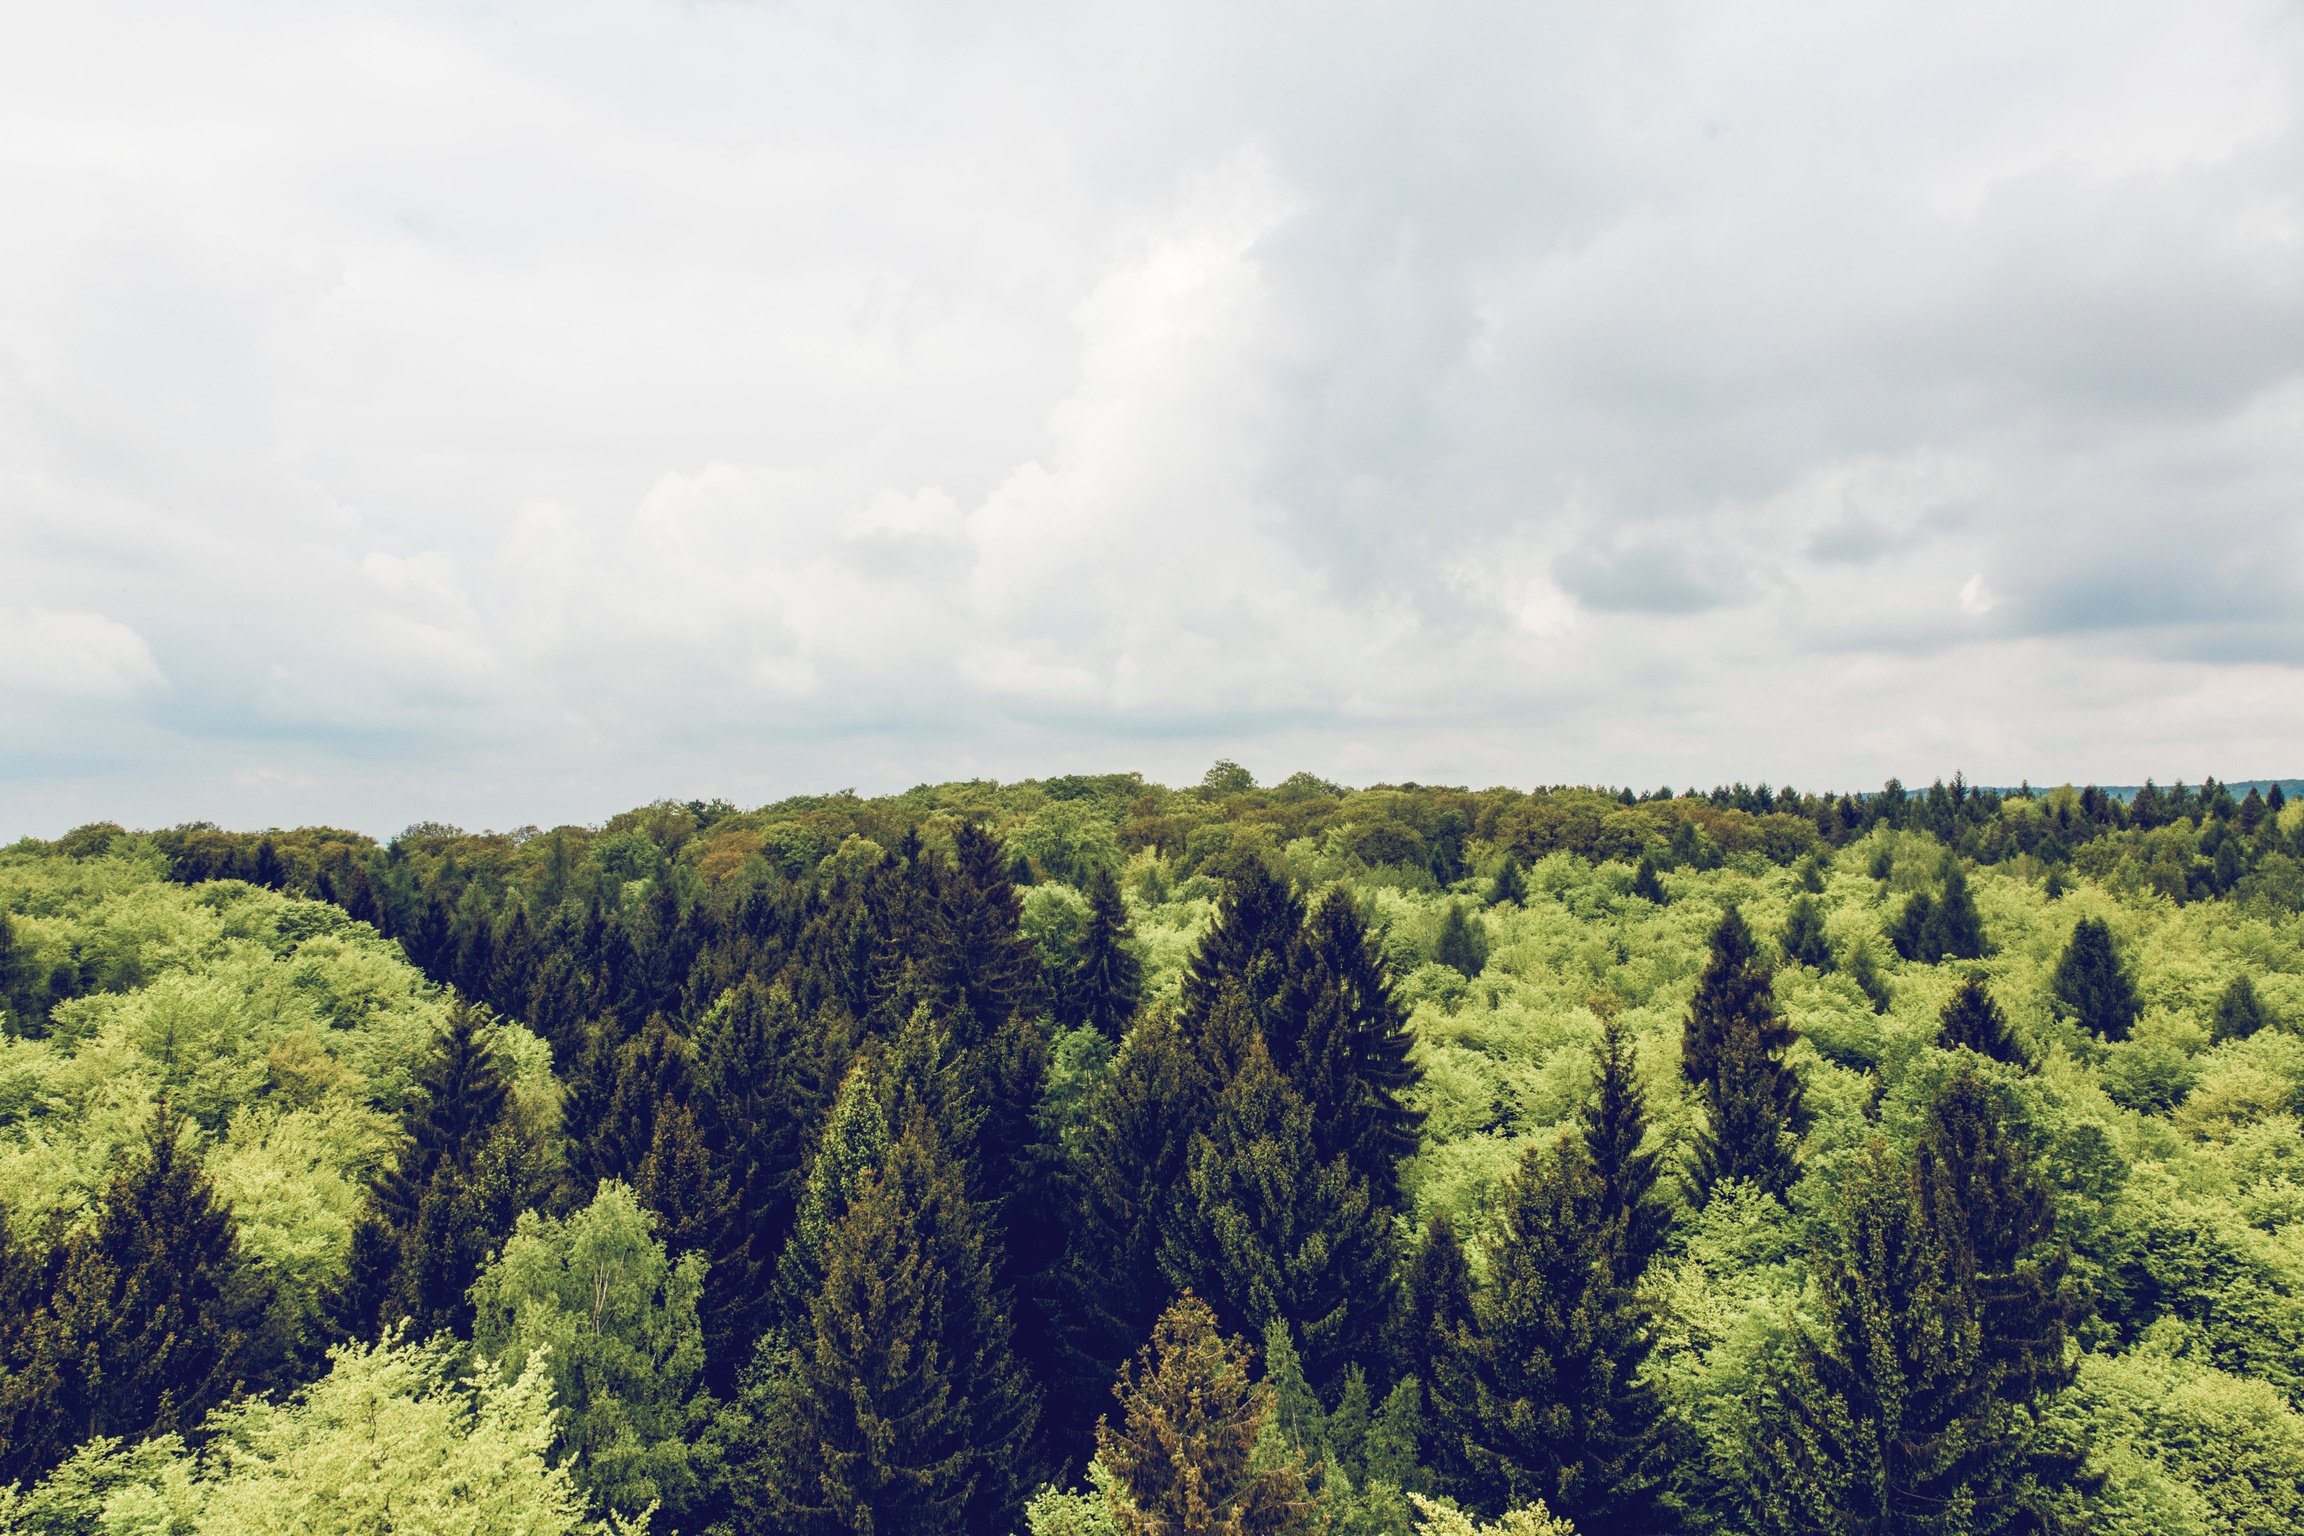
{"x":1087,"y":1155}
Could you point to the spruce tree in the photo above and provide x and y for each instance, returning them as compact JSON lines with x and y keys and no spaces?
{"x":1955,"y":928}
{"x":853,"y":1149}
{"x":1436,"y":1299}
{"x":463,"y":1215}
{"x":155,"y":1315}
{"x":1349,"y":1053}
{"x":2091,"y":981}
{"x":1510,"y":887}
{"x":1249,"y":946}
{"x":1864,"y":970}
{"x":456,"y":1103}
{"x":1183,"y":1455}
{"x":984,"y":971}
{"x":2239,"y":1012}
{"x":1754,"y":1113}
{"x":682,"y":1186}
{"x":1646,"y":883}
{"x":1972,"y":1021}
{"x":1883,"y":1422}
{"x":1460,"y":947}
{"x":1265,"y":1230}
{"x":1541,"y":1393}
{"x":654,"y":1071}
{"x":904,"y":1413}
{"x":1126,"y":1165}
{"x":1804,"y":941}
{"x":1734,"y":985}
{"x":1107,"y":983}
{"x":1615,"y":1124}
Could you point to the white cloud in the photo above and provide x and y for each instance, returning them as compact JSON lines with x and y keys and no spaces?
{"x":511,"y":413}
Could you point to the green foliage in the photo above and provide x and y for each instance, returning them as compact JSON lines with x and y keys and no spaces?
{"x":2093,"y":984}
{"x":1183,"y":1458}
{"x":2239,"y":1011}
{"x":612,"y":1321}
{"x":1463,"y":944}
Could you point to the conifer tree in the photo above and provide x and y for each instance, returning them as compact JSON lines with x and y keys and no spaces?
{"x":1884,"y":1421}
{"x":352,"y":1307}
{"x":1864,"y":970}
{"x":1183,"y":1455}
{"x":1264,"y":1230}
{"x":154,"y":1317}
{"x":456,"y":1103}
{"x":1973,"y":1021}
{"x":464,"y":1212}
{"x":2239,"y":1011}
{"x":1249,"y":946}
{"x":1615,"y":1124}
{"x":1804,"y":941}
{"x":1754,"y":1113}
{"x":1349,"y":1055}
{"x":1436,"y":1299}
{"x":1956,"y":929}
{"x":1540,"y":1393}
{"x":2091,"y":981}
{"x":765,"y":1082}
{"x":1107,"y":983}
{"x":1460,"y":947}
{"x":654,"y":1071}
{"x":853,"y":1149}
{"x":681,"y":1185}
{"x":984,"y":971}
{"x":1510,"y":888}
{"x":1734,"y":985}
{"x":1646,"y":883}
{"x":1126,"y":1167}
{"x":904,"y":1411}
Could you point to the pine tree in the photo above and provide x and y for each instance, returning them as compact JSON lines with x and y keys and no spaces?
{"x":1884,"y":1420}
{"x":1541,"y":1393}
{"x":1264,"y":1230}
{"x":1183,"y":1456}
{"x":905,"y":1411}
{"x":155,"y":1316}
{"x":1510,"y":888}
{"x":682,"y":1186}
{"x":1107,"y":983}
{"x":2091,"y":981}
{"x":1912,"y":934}
{"x":1956,"y":930}
{"x":1125,"y":1168}
{"x":1436,"y":1299}
{"x":1615,"y":1124}
{"x":352,"y":1307}
{"x":2239,"y":1012}
{"x":1734,"y":985}
{"x":1460,"y":947}
{"x":1804,"y":941}
{"x":464,"y":1213}
{"x":984,"y":971}
{"x":654,"y":1071}
{"x":1646,"y":883}
{"x":1972,"y":1021}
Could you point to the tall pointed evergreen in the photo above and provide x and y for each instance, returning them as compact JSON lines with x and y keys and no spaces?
{"x":1732,"y":1048}
{"x":1349,"y":1054}
{"x":1734,"y":985}
{"x":1107,"y":982}
{"x":654,"y":1071}
{"x":1615,"y":1124}
{"x":1263,"y":1229}
{"x":1249,"y":946}
{"x":2093,"y":984}
{"x":1973,"y":1021}
{"x":853,"y":1150}
{"x":155,"y":1316}
{"x":904,"y":1413}
{"x":984,"y":969}
{"x":1804,"y":941}
{"x":2240,"y":1012}
{"x":1127,"y":1163}
{"x":455,"y":1104}
{"x":1183,"y":1450}
{"x":1541,"y":1396}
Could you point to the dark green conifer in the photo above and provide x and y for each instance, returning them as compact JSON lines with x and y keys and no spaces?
{"x":2091,"y":981}
{"x":1956,"y":929}
{"x":1461,"y":947}
{"x":455,"y":1104}
{"x":1972,"y":1021}
{"x":681,"y":1184}
{"x":154,"y":1316}
{"x":1350,"y":1047}
{"x":1436,"y":1299}
{"x":654,"y":1071}
{"x":1510,"y":887}
{"x":1864,"y":970}
{"x":1541,"y":1393}
{"x":1265,"y":1230}
{"x":982,"y":968}
{"x":1646,"y":883}
{"x":1804,"y":940}
{"x":1126,"y":1165}
{"x":1754,"y":1113}
{"x":904,"y":1412}
{"x":1615,"y":1124}
{"x":853,"y":1149}
{"x":1183,"y":1455}
{"x":1733,"y":985}
{"x":1250,"y":946}
{"x":1107,"y":983}
{"x":2239,"y":1011}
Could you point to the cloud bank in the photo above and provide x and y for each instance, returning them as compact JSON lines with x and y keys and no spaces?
{"x":510,"y":413}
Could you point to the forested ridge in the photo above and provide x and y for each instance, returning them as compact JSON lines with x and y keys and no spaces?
{"x":1082,"y":1156}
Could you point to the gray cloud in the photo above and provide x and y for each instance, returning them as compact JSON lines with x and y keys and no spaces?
{"x":513,"y":413}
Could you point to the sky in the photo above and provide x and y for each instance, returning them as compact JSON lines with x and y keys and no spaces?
{"x":504,"y":413}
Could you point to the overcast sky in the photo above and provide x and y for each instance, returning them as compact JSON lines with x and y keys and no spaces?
{"x":511,"y":413}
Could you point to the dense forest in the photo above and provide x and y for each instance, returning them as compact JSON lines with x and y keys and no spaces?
{"x":1083,"y":1157}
